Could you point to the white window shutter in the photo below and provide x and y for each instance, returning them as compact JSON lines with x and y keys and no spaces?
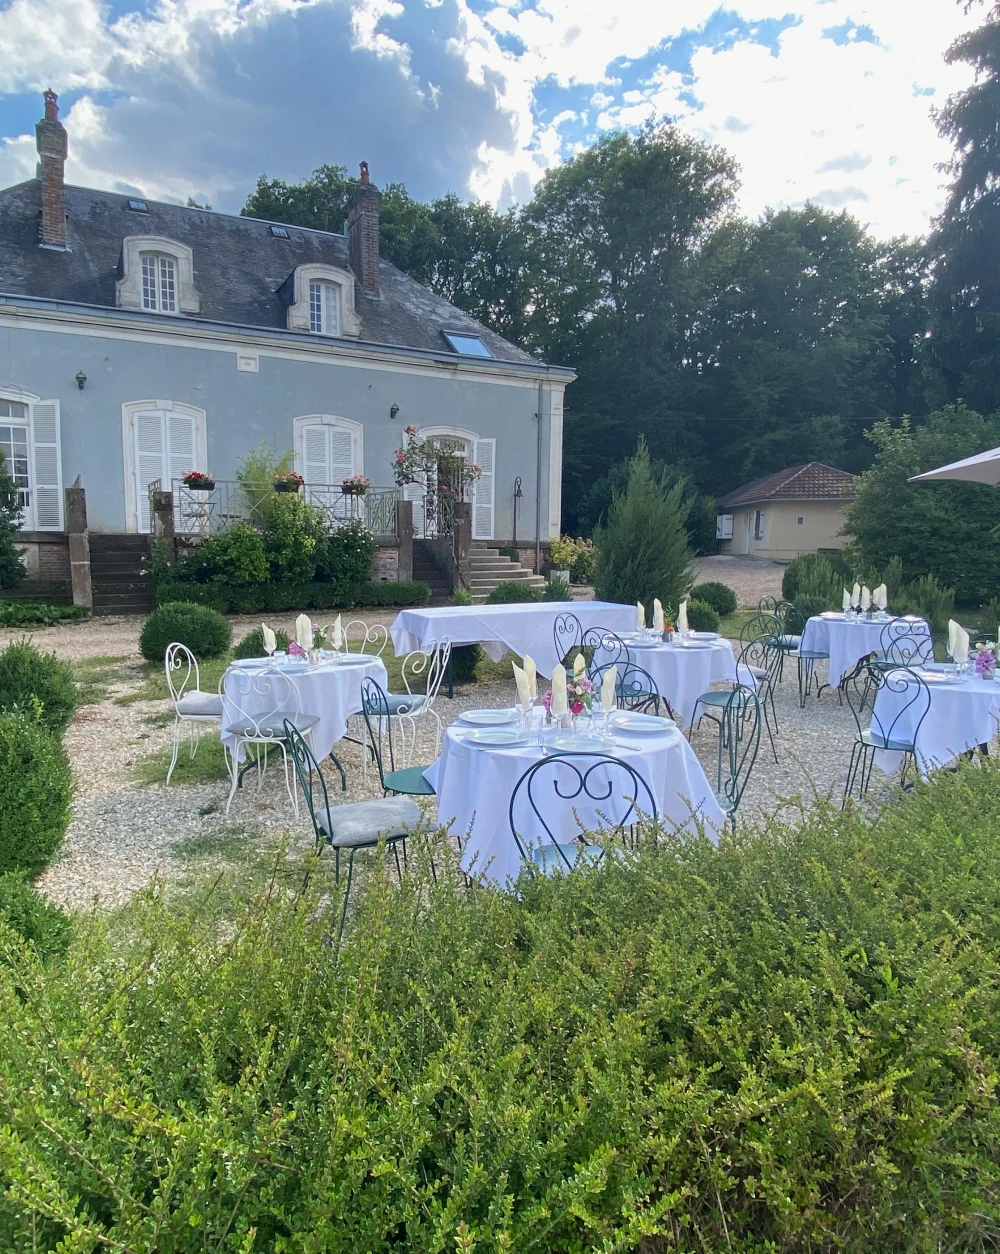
{"x":341,"y":455}
{"x":415,"y":492}
{"x":181,"y":454}
{"x":315,"y":454}
{"x":46,"y":478}
{"x":484,"y":454}
{"x":150,"y":455}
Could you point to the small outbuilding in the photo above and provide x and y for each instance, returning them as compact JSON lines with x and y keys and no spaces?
{"x":799,"y":510}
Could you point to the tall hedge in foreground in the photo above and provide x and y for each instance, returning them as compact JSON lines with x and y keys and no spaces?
{"x":35,"y":790}
{"x":790,"y":1043}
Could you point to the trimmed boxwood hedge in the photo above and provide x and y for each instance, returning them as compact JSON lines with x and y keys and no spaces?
{"x":39,"y":685}
{"x":719,"y":596}
{"x":204,"y":630}
{"x":35,"y":789}
{"x":276,"y":598}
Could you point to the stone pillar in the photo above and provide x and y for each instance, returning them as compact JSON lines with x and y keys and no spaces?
{"x":163,"y":516}
{"x":404,"y":534}
{"x":463,"y":543}
{"x":79,"y":546}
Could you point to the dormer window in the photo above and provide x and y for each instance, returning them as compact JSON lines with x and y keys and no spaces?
{"x":156,"y":275}
{"x":159,"y":283}
{"x":324,"y":308}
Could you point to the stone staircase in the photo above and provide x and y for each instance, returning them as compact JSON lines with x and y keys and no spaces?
{"x":425,"y":571}
{"x":115,"y":564}
{"x":490,"y":567}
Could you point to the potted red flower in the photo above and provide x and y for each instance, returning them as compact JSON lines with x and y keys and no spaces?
{"x":355,"y":485}
{"x":198,"y":481}
{"x":288,"y":481}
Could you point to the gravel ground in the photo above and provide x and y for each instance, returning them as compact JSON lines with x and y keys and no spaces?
{"x":124,"y":833}
{"x":749,"y":577}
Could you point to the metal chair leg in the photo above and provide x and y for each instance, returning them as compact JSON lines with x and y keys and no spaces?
{"x":176,"y":748}
{"x":343,"y":777}
{"x":347,"y":895}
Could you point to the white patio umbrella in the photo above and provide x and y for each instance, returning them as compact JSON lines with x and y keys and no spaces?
{"x":983,"y":468}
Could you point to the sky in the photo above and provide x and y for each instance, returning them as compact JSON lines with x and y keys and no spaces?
{"x":823,"y":100}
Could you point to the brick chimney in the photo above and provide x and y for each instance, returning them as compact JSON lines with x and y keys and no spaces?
{"x":362,"y":232}
{"x":52,"y":144}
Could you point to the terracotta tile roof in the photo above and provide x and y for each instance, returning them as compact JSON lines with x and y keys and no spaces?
{"x":812,"y":481}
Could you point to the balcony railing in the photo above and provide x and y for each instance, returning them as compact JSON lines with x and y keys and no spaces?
{"x":198,"y":513}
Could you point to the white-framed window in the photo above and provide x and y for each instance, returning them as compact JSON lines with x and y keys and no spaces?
{"x":162,"y":439}
{"x":159,"y":283}
{"x":324,"y":308}
{"x":482,"y":497}
{"x":328,"y":450}
{"x":30,"y":441}
{"x":15,"y":444}
{"x":758,"y":524}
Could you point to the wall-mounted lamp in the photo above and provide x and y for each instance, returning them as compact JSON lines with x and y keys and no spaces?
{"x":393,"y":411}
{"x":81,"y":379}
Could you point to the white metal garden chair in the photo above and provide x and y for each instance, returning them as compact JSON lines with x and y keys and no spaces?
{"x":423,"y":672}
{"x":371,"y":640}
{"x":260,"y":702}
{"x":189,"y":704}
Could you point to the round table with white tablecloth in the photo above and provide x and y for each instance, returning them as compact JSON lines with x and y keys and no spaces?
{"x":681,"y":672}
{"x":331,"y":692}
{"x":847,"y":641}
{"x":474,"y":787}
{"x":964,"y":712}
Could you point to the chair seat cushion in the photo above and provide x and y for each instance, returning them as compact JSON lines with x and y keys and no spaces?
{"x":367,"y":822}
{"x":403,"y":703}
{"x":789,"y":642}
{"x":882,"y":742}
{"x":749,"y":676}
{"x":409,"y":780}
{"x":270,"y":726}
{"x":549,"y":860}
{"x":199,"y":704}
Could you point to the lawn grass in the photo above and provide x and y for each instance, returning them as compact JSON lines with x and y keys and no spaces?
{"x":95,"y":675}
{"x":208,"y":764}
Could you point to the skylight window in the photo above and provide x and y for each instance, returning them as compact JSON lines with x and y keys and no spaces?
{"x":279,"y":231}
{"x":467,"y":345}
{"x":138,"y":206}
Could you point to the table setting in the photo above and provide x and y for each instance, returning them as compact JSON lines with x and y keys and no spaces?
{"x":486,"y":752}
{"x":849,"y":634}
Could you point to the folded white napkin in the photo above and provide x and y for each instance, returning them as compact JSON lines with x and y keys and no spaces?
{"x":523,"y":687}
{"x":579,"y":665}
{"x":532,"y":673}
{"x":304,"y":632}
{"x":958,"y":641}
{"x":270,"y":644}
{"x":657,"y":615}
{"x":559,"y":702}
{"x":847,"y":601}
{"x":608,"y":689}
{"x":866,"y":598}
{"x":682,"y":615}
{"x":640,"y":616}
{"x":856,"y":595}
{"x":338,"y":633}
{"x":880,"y":597}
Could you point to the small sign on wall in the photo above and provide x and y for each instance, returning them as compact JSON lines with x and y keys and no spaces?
{"x":248,"y":361}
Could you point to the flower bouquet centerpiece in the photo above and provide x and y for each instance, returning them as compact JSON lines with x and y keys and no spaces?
{"x":985,"y":660}
{"x":579,"y":696}
{"x":198,"y":481}
{"x":355,"y":485}
{"x":287,"y":481}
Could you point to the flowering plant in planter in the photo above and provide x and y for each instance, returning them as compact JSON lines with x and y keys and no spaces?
{"x":414,"y":462}
{"x":579,"y":695}
{"x":355,"y":485}
{"x":985,"y":660}
{"x":198,"y":480}
{"x":287,"y":481}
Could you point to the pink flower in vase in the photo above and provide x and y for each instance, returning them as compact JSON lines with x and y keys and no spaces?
{"x":547,"y":701}
{"x":576,"y":708}
{"x":296,"y":650}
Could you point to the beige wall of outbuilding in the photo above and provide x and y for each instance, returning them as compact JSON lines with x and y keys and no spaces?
{"x":784,"y":536}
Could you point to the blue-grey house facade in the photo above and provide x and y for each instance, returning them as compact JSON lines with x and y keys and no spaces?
{"x":141,"y":340}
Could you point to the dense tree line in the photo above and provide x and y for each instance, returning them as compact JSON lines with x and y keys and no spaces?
{"x":735,"y":347}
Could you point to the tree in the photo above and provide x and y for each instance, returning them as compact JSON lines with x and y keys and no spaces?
{"x":12,"y":569}
{"x":966,"y":243}
{"x":642,"y":548}
{"x":940,"y":529}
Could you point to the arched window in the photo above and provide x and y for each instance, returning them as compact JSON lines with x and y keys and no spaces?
{"x":324,"y":307}
{"x":328,"y":449}
{"x":162,"y":440}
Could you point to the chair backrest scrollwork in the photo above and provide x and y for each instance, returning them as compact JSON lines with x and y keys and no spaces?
{"x":259,"y":700}
{"x":180,"y":664}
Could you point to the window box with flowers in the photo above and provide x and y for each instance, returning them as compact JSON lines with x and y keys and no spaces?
{"x":355,"y":485}
{"x":288,"y":481}
{"x":198,"y":481}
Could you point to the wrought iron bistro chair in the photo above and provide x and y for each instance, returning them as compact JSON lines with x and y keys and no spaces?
{"x":903,"y":642}
{"x":759,"y":668}
{"x":263,"y":702}
{"x":894,"y":728}
{"x":189,"y":704}
{"x":635,"y":689}
{"x":563,"y":785}
{"x":567,"y":636}
{"x":741,"y":739}
{"x":791,"y":625}
{"x":759,"y":625}
{"x":348,"y":828}
{"x":408,"y":780}
{"x":602,"y":647}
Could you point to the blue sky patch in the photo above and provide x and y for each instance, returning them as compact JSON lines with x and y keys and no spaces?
{"x":850,"y":32}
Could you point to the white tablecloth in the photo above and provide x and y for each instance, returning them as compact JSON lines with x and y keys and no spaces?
{"x":520,"y":628}
{"x":961,"y":716}
{"x":683,"y":672}
{"x":331,"y":691}
{"x":845,"y":642}
{"x":474,"y":787}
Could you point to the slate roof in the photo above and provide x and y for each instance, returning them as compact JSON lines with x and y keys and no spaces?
{"x":812,"y":481}
{"x":238,"y":267}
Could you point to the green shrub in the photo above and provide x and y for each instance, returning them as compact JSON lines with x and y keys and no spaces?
{"x":585,"y":563}
{"x":719,"y":596}
{"x":15,"y":614}
{"x":36,"y":920}
{"x":234,"y":557}
{"x":172,"y":592}
{"x":35,"y":789}
{"x":819,"y":587}
{"x":38,"y":685}
{"x":252,"y":644}
{"x":512,"y":553}
{"x":512,"y":592}
{"x":12,"y":568}
{"x":558,"y":590}
{"x":464,"y":657}
{"x":346,"y":556}
{"x":701,"y":616}
{"x":294,"y":532}
{"x":927,"y":598}
{"x":387,"y":593}
{"x":278,"y":597}
{"x":799,"y":566}
{"x":205,"y":632}
{"x":642,"y":547}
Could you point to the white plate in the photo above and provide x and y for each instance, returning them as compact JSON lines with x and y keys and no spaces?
{"x":644,"y":644}
{"x":351,"y":659}
{"x":488,"y":718}
{"x":832,"y":614}
{"x":496,"y":737}
{"x":704,"y":635}
{"x":631,"y":721}
{"x":696,"y":644}
{"x":248,"y":663}
{"x":580,"y":744}
{"x":935,"y":677}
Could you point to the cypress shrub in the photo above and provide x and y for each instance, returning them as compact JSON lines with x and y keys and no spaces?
{"x":35,"y":791}
{"x":205,"y":632}
{"x":38,"y":685}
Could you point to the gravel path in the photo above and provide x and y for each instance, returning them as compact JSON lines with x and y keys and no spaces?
{"x":749,"y":577}
{"x":124,"y":833}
